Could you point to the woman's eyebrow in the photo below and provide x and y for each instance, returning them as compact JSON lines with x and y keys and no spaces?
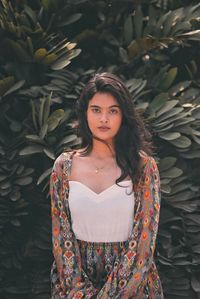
{"x":112,"y":106}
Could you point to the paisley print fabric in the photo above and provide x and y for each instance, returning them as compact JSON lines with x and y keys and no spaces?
{"x":105,"y":271}
{"x":98,"y":259}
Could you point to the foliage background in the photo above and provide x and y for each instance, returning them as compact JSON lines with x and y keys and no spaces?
{"x":154,"y":47}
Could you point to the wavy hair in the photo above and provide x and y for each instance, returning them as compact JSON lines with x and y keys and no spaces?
{"x":132,"y":137}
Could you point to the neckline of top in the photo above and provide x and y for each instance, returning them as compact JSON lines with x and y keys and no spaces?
{"x":103,"y":191}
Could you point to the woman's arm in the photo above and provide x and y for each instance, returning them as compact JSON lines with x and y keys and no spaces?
{"x":130,"y":272}
{"x":72,"y":281}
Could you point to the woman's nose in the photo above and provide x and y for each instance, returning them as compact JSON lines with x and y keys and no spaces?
{"x":104,"y":117}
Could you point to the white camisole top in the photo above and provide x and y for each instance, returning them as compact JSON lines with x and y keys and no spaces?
{"x":103,"y":217}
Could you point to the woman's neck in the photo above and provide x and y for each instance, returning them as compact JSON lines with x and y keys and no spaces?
{"x":101,"y":150}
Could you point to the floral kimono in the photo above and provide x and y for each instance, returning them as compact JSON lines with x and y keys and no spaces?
{"x":105,"y":271}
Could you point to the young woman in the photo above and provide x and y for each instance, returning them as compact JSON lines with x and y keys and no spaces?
{"x":105,"y":202}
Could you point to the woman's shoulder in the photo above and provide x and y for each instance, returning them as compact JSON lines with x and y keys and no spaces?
{"x":147,"y":160}
{"x":63,"y":158}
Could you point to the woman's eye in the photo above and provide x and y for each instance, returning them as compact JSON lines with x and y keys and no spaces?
{"x":96,"y":110}
{"x":113,"y":111}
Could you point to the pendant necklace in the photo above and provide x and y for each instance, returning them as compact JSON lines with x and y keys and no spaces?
{"x":97,"y":169}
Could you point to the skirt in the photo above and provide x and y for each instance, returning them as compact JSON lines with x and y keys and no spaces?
{"x":98,"y":259}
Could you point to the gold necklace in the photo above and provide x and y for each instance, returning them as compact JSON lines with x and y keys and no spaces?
{"x":97,"y":169}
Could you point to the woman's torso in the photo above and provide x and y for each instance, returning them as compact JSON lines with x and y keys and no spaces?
{"x":101,"y":210}
{"x":101,"y":217}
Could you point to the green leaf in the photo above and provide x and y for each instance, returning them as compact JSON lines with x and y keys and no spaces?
{"x":15,"y":126}
{"x":169,"y":114}
{"x":46,"y":4}
{"x":47,"y":108}
{"x":164,"y":129}
{"x":6,"y":83}
{"x":49,"y":153}
{"x":60,"y":64}
{"x":196,"y":113}
{"x":128,"y":29}
{"x":142,"y":106}
{"x":171,"y":120}
{"x":196,"y":139}
{"x":165,"y":181}
{"x":68,"y":139}
{"x":20,"y":169}
{"x":31,"y":13}
{"x":34,"y":115}
{"x":15,"y":222}
{"x":191,"y":35}
{"x":15,"y":87}
{"x":5,"y":185}
{"x":40,"y":54}
{"x":181,"y":27}
{"x":41,"y":110}
{"x":194,"y":218}
{"x":172,"y":172}
{"x":180,"y":187}
{"x":43,"y":130}
{"x":140,"y":88}
{"x":44,"y":175}
{"x":32,"y":149}
{"x":138,"y":22}
{"x":14,"y":196}
{"x":184,"y":121}
{"x":172,"y":19}
{"x":123,"y":55}
{"x":162,"y":20}
{"x":18,"y":51}
{"x":168,"y":79}
{"x":181,"y":142}
{"x":2,"y":177}
{"x":49,"y":59}
{"x":133,"y":84}
{"x":182,"y":196}
{"x":24,"y":181}
{"x":166,"y":163}
{"x":66,"y":116}
{"x":185,"y":206}
{"x":158,"y":102}
{"x":167,"y":107}
{"x":70,"y":20}
{"x":165,"y":188}
{"x":101,"y":16}
{"x":138,"y":47}
{"x":55,"y":118}
{"x":34,"y":138}
{"x":65,"y":60}
{"x":196,"y":248}
{"x":182,"y":263}
{"x":28,"y":171}
{"x":178,"y":180}
{"x":191,"y":154}
{"x":170,"y":135}
{"x":195,"y":283}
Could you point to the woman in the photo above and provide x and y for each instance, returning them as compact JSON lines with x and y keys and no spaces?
{"x":105,"y":202}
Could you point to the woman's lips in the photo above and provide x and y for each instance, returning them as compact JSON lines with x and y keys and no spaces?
{"x":103,"y":129}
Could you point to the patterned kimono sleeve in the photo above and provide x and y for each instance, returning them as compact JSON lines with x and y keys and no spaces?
{"x":71,"y":281}
{"x":130,"y":272}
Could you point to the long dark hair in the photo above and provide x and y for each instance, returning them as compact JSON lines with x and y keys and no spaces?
{"x":132,"y":137}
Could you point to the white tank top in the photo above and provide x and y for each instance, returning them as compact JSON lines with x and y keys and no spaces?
{"x":103,"y":217}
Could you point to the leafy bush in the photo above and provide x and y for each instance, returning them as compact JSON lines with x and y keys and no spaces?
{"x":154,"y":48}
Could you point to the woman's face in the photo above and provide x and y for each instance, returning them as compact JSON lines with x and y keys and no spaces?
{"x":104,"y":116}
